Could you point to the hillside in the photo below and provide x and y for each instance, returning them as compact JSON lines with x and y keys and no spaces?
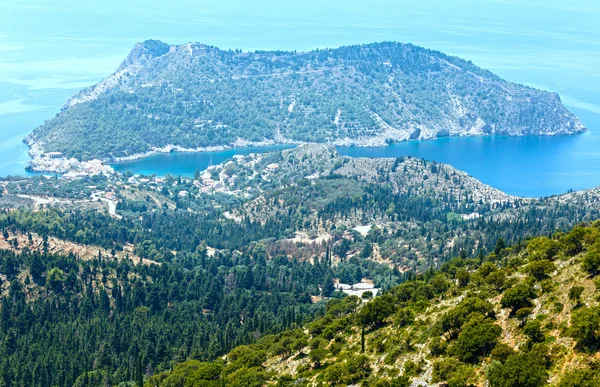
{"x":251,"y":248}
{"x":198,"y":97}
{"x":523,"y":316}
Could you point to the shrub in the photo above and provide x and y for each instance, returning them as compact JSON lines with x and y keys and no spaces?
{"x":317,"y":355}
{"x":438,"y":346}
{"x":520,"y":370}
{"x":583,"y":377}
{"x":404,"y":317}
{"x":463,"y":277}
{"x":543,"y":248}
{"x":523,"y":313}
{"x":451,"y":371}
{"x":477,"y":338}
{"x":591,"y":262}
{"x":540,"y":269}
{"x":411,"y":368}
{"x":575,"y":293}
{"x":398,"y":381}
{"x":585,"y":326}
{"x":558,"y":307}
{"x":247,"y":377}
{"x":517,"y":297}
{"x":245,"y":357}
{"x":572,"y":243}
{"x":463,"y":312}
{"x":374,"y":313}
{"x":502,"y":352}
{"x":439,"y":283}
{"x":533,"y":330}
{"x":497,"y":280}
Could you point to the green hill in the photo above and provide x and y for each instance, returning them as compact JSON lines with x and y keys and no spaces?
{"x":523,"y":316}
{"x":195,"y":96}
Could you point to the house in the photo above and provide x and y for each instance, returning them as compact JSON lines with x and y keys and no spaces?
{"x":357,"y":289}
{"x":54,"y":155}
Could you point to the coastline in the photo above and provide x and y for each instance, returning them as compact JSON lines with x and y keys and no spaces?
{"x":39,"y":163}
{"x":215,"y":148}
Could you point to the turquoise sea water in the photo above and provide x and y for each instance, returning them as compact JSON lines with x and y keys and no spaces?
{"x":185,"y":163}
{"x":50,"y":50}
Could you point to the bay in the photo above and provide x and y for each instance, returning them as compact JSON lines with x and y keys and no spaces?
{"x":533,"y":166}
{"x":185,"y":163}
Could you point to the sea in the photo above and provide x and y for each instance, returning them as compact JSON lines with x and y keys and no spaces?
{"x":51,"y":49}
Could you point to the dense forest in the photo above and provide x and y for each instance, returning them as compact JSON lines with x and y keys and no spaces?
{"x":195,"y":96}
{"x":62,"y":318}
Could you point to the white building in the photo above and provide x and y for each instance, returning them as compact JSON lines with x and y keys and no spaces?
{"x":357,"y":289}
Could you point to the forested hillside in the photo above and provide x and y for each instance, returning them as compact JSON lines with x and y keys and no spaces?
{"x":196,"y":96}
{"x":522,"y":316}
{"x":68,"y":321}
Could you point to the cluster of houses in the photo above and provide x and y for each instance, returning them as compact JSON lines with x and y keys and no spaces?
{"x":71,"y":168}
{"x":88,"y":168}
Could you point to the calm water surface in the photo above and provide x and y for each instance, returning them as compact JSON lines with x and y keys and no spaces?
{"x":50,"y":50}
{"x":185,"y":163}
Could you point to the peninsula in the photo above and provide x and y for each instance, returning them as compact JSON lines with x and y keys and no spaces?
{"x":195,"y":97}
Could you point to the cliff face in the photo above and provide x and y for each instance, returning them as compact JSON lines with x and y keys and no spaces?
{"x":196,"y":96}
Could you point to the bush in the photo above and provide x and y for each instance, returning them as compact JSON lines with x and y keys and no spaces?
{"x":476,"y":340}
{"x":452,"y":371}
{"x":572,"y":243}
{"x":517,"y":297}
{"x":580,"y":378}
{"x":469,"y":307}
{"x":374,"y":313}
{"x":542,"y":248}
{"x":575,"y":293}
{"x":585,"y":326}
{"x":591,"y":262}
{"x":247,"y":377}
{"x":404,"y":317}
{"x":438,"y":346}
{"x":533,"y":330}
{"x":317,"y":355}
{"x":540,"y":269}
{"x":411,"y":368}
{"x":502,"y":352}
{"x":398,"y":381}
{"x":520,"y":370}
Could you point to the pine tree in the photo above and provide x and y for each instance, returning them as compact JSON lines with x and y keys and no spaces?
{"x":362,"y":340}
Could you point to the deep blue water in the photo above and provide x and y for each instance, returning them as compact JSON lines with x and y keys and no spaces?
{"x":50,"y":50}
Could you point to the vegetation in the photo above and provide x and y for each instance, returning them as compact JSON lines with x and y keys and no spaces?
{"x":460,"y":335}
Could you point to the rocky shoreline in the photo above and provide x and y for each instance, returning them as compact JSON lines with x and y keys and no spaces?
{"x":39,"y":163}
